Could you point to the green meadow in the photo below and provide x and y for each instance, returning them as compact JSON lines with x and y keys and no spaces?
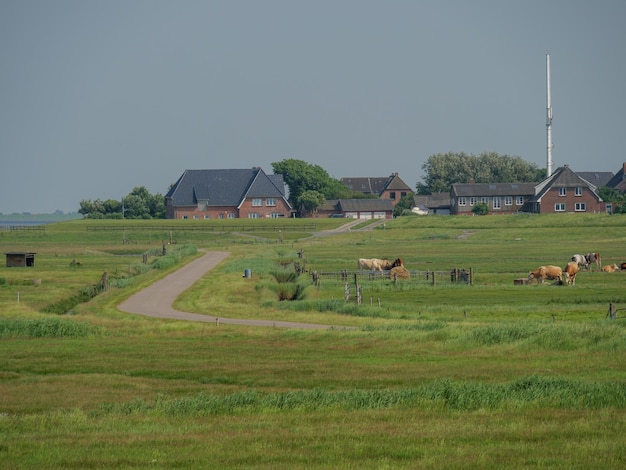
{"x":419,"y":375}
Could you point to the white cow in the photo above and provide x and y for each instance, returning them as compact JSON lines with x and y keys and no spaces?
{"x":581,"y":261}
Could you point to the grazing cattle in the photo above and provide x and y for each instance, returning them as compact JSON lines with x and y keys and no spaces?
{"x":546,"y":272}
{"x":399,"y":272}
{"x":375,"y":264}
{"x":581,"y":261}
{"x":622,"y":266}
{"x":570,"y":272}
{"x":610,"y":268}
{"x":594,"y":258}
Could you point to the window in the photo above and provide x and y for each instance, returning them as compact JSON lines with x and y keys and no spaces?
{"x":257,"y":202}
{"x":185,"y":217}
{"x":195,"y":217}
{"x":402,"y":194}
{"x":497,"y":202}
{"x":231,"y":215}
{"x":519,"y":200}
{"x":484,"y":200}
{"x":473,"y":201}
{"x":580,"y":207}
{"x":270,"y":201}
{"x":461,"y":201}
{"x":578,"y":191}
{"x":207,"y":216}
{"x":562,"y":191}
{"x":559,"y":207}
{"x":253,"y":215}
{"x":392,"y":196}
{"x":277,"y":215}
{"x":508,"y":200}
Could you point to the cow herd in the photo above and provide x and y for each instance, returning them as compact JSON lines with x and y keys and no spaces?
{"x":568,"y":274}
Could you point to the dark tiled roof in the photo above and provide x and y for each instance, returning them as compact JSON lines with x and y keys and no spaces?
{"x":597,"y":178}
{"x":353,"y":205}
{"x":619,"y":180}
{"x":376,"y":185}
{"x":492,"y":189}
{"x":563,"y":177}
{"x":223,"y":187}
{"x":366,"y":185}
{"x":356,"y":205}
{"x":432,"y":201}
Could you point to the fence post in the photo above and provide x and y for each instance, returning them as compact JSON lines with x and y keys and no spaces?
{"x":346,"y":292}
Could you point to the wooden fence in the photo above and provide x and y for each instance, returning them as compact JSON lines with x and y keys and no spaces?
{"x":455,"y":275}
{"x":23,"y":228}
{"x":205,"y":228}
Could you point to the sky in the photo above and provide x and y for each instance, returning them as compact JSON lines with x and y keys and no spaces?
{"x":100,"y":97}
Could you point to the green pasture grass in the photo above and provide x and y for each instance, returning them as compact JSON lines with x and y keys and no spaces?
{"x":446,"y":376}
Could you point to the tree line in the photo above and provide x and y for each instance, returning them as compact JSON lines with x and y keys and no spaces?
{"x":138,"y":204}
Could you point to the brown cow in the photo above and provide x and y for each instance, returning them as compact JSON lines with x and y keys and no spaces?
{"x":622,"y":266}
{"x":570,"y":272}
{"x":546,"y":272}
{"x":610,"y":268}
{"x":399,"y":272}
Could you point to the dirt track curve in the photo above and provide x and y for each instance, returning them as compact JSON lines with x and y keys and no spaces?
{"x":157,"y":299}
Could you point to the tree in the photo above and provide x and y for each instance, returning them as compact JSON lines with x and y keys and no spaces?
{"x":305,"y":179}
{"x":403,"y":206}
{"x":480,"y":209}
{"x":311,"y":200}
{"x":444,"y":170}
{"x":613,"y":196}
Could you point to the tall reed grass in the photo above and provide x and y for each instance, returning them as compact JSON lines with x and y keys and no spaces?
{"x":45,"y":328}
{"x":526,"y":392}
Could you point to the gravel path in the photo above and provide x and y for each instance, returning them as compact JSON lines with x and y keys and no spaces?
{"x":157,"y":299}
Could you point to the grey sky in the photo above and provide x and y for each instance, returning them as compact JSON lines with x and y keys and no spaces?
{"x":98,"y":97}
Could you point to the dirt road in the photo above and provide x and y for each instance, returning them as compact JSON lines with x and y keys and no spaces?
{"x":156,"y":300}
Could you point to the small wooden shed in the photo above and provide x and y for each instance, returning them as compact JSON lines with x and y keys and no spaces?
{"x":20,"y":259}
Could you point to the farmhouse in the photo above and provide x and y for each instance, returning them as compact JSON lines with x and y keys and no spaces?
{"x":566,"y":191}
{"x":391,"y":187}
{"x":563,"y":191}
{"x":500,"y":198}
{"x":227,"y":194}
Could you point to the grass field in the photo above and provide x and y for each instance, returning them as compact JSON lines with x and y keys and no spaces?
{"x":488,"y":375}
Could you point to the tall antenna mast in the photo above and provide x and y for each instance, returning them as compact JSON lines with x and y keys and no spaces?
{"x":548,"y":119}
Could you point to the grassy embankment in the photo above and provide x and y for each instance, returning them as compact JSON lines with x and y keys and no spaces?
{"x":489,"y":375}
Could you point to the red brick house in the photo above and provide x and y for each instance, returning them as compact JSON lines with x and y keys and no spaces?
{"x":227,"y":194}
{"x":390,"y":187}
{"x":566,"y":191}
